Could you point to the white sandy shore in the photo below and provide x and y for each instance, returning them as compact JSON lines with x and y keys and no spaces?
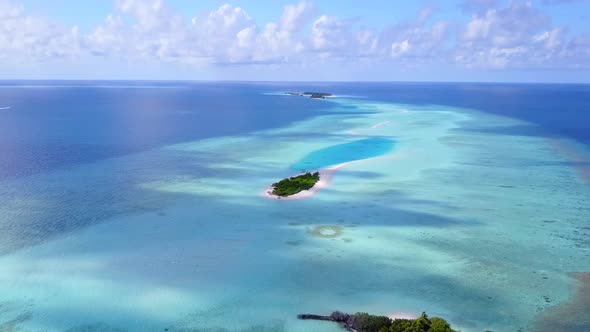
{"x":326,"y":175}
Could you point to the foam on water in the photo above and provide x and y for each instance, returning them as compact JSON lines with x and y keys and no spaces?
{"x":482,"y":228}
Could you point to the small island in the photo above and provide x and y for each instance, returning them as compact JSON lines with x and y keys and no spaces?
{"x":317,"y":95}
{"x":363,"y":322}
{"x":293,"y":185}
{"x":313,"y":95}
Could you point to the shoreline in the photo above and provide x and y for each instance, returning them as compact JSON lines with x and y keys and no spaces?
{"x":326,"y":175}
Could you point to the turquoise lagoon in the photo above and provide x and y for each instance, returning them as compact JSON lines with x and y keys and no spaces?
{"x":480,"y":227}
{"x":346,"y":152}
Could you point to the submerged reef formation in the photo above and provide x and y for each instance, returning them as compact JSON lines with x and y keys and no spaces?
{"x":326,"y":232}
{"x":573,"y":315}
{"x":363,"y":322}
{"x":293,"y":185}
{"x":314,"y":95}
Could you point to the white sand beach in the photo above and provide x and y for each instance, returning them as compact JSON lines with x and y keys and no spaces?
{"x":326,"y":175}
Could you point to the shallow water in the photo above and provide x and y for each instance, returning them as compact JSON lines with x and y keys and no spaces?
{"x":346,"y":152}
{"x":479,"y":226}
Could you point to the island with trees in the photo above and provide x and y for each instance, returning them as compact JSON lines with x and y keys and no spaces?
{"x":314,"y":95}
{"x":293,"y":185}
{"x":363,"y":322}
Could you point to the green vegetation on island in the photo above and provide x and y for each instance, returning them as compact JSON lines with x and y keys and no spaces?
{"x":314,"y":95}
{"x":293,"y":185}
{"x":420,"y":324}
{"x":317,"y":95}
{"x":363,"y":322}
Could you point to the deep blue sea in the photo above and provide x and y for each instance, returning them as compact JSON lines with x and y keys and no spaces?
{"x":58,"y":124}
{"x":52,"y":124}
{"x":138,"y":205}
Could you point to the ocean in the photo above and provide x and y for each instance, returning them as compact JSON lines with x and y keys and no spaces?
{"x":138,"y":206}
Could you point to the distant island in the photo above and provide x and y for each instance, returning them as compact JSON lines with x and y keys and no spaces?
{"x":363,"y":322}
{"x":314,"y":95}
{"x":293,"y":185}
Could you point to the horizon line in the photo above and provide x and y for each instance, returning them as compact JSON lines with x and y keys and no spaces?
{"x":4,"y":80}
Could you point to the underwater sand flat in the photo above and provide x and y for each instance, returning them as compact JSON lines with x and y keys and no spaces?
{"x":473,"y":226}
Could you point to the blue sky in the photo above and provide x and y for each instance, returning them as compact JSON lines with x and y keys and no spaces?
{"x":467,"y":40}
{"x":90,"y":13}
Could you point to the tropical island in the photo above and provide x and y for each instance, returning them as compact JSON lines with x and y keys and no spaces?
{"x":363,"y":322}
{"x":293,"y":185}
{"x":314,"y":95}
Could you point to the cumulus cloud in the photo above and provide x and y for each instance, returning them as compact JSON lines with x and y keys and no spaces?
{"x":330,"y":34}
{"x":110,"y":37}
{"x":296,"y":16}
{"x":416,"y":41}
{"x":156,"y":31}
{"x":281,"y":41}
{"x":150,"y":15}
{"x":22,"y":35}
{"x":518,"y":35}
{"x":222,"y":34}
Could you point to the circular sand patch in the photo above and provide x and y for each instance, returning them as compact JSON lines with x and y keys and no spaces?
{"x":326,"y":232}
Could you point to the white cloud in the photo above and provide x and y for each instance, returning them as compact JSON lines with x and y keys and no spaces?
{"x":151,"y":15}
{"x":416,"y":40}
{"x":223,"y":35}
{"x":108,"y":38}
{"x":330,"y":34}
{"x":550,"y":40}
{"x":399,"y":49}
{"x":296,"y":16}
{"x":518,"y":35}
{"x":23,"y":36}
{"x":279,"y":41}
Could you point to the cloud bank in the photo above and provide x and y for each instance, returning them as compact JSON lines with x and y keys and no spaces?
{"x":517,"y":35}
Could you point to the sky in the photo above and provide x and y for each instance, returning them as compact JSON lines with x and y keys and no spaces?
{"x":316,"y":40}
